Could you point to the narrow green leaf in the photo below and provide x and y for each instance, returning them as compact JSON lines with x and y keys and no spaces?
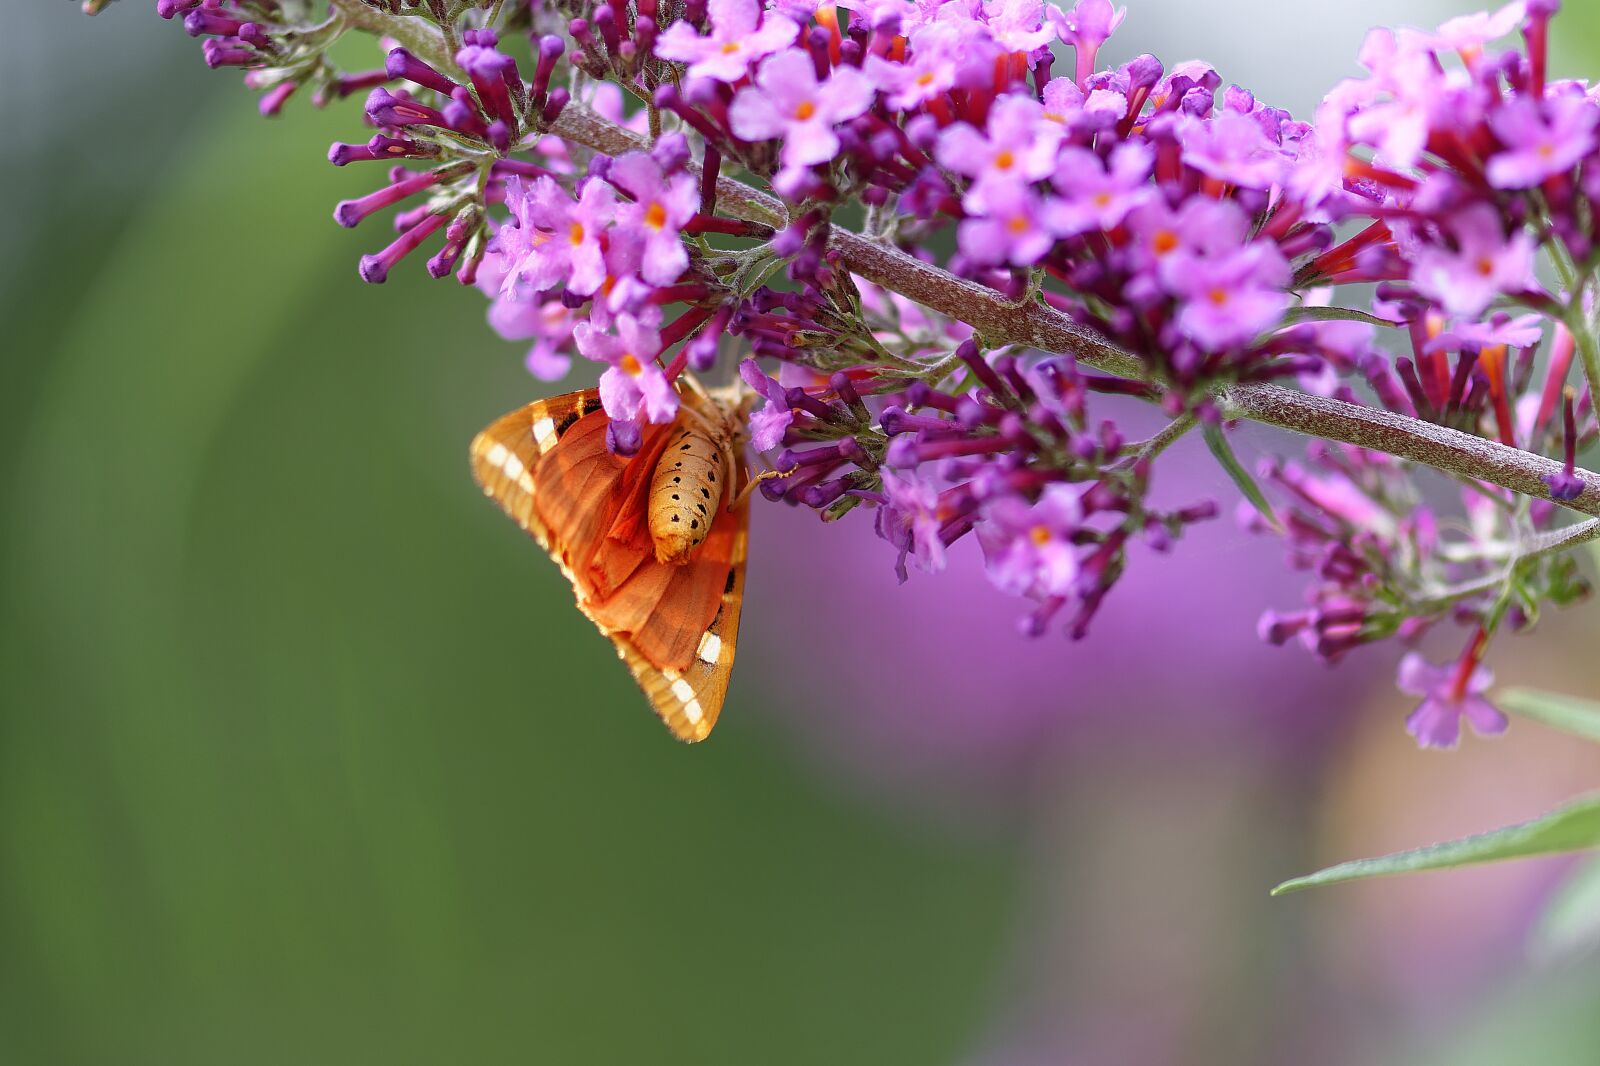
{"x":1570,"y":924}
{"x":1575,"y":827}
{"x":1569,"y":714}
{"x":1223,"y":451}
{"x":1333,"y":314}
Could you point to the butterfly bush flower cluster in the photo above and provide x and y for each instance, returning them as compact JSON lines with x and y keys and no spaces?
{"x":878,"y":214}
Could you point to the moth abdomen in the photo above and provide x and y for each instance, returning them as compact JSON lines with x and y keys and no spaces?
{"x":685,"y":493}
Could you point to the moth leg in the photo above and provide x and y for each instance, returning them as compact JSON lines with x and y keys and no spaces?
{"x":756,"y":479}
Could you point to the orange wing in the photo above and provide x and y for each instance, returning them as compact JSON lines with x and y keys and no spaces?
{"x":547,"y":467}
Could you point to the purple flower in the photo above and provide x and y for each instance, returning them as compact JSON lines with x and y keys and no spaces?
{"x":633,"y":382}
{"x":1018,"y":25}
{"x":662,"y":205}
{"x":1485,"y":264}
{"x":1232,"y":147}
{"x":548,"y":323}
{"x":740,"y":35}
{"x":1063,"y":102}
{"x":771,"y":420}
{"x":1096,"y":194}
{"x":912,"y":522}
{"x":1393,"y":110}
{"x":1230,"y":300}
{"x":1446,"y":698}
{"x":1086,"y":27}
{"x":554,"y":239}
{"x":1011,"y":230}
{"x":929,"y":70}
{"x":1017,"y":148}
{"x":788,"y":102}
{"x":1541,"y":138}
{"x":1467,"y":34}
{"x":1029,"y":546}
{"x":1524,"y":331}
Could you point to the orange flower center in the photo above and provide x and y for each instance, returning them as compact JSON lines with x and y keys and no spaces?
{"x":1102,"y":199}
{"x":1219,"y":297}
{"x":925,"y":80}
{"x":630,"y":365}
{"x":730,"y":47}
{"x":655,"y":216}
{"x":1005,"y":160}
{"x":1018,"y":224}
{"x":805,"y":110}
{"x":1165,"y":241}
{"x":1040,"y":535}
{"x":575,"y":234}
{"x":1485,"y":266}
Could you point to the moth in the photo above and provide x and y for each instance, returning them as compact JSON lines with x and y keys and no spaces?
{"x":654,"y":544}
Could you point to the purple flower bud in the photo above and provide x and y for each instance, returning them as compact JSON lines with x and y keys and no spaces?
{"x":375,"y":268}
{"x":400,"y":63}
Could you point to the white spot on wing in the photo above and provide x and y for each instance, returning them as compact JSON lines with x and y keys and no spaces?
{"x":497,"y":455}
{"x":691,"y":711}
{"x":544,"y":433}
{"x":710,"y":648}
{"x":684,"y":692}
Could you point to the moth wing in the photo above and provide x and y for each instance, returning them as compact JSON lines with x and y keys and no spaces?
{"x":674,"y":626}
{"x":506,"y":455}
{"x":689,"y":699}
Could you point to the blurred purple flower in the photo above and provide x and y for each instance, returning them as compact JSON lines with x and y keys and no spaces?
{"x":740,"y":35}
{"x":1447,"y":697}
{"x":1542,"y":138}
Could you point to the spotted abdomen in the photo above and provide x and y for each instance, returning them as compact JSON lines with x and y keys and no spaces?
{"x":684,"y":494}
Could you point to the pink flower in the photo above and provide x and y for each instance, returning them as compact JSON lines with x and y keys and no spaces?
{"x":1086,"y":27}
{"x":554,"y":239}
{"x":1029,"y":546}
{"x":1017,"y":148}
{"x":1541,"y":138}
{"x":1393,"y":110}
{"x":1018,"y":25}
{"x":911,"y":522}
{"x":930,"y":70}
{"x":1467,"y":34}
{"x":769,"y":422}
{"x":548,"y":323}
{"x":633,"y":383}
{"x":662,"y":205}
{"x":1010,"y":231}
{"x":788,"y":102}
{"x":1063,"y":102}
{"x":1483,"y":265}
{"x":1230,"y":300}
{"x":1436,"y":723}
{"x":740,"y":35}
{"x":1232,"y":147}
{"x":1098,"y":194}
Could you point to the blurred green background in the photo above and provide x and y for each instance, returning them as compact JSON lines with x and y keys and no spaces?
{"x":304,"y":756}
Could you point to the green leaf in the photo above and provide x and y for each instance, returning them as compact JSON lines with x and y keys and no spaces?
{"x":1569,"y":714}
{"x":1575,"y":827}
{"x":1570,"y":924}
{"x":1333,"y":314}
{"x":1223,"y":451}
